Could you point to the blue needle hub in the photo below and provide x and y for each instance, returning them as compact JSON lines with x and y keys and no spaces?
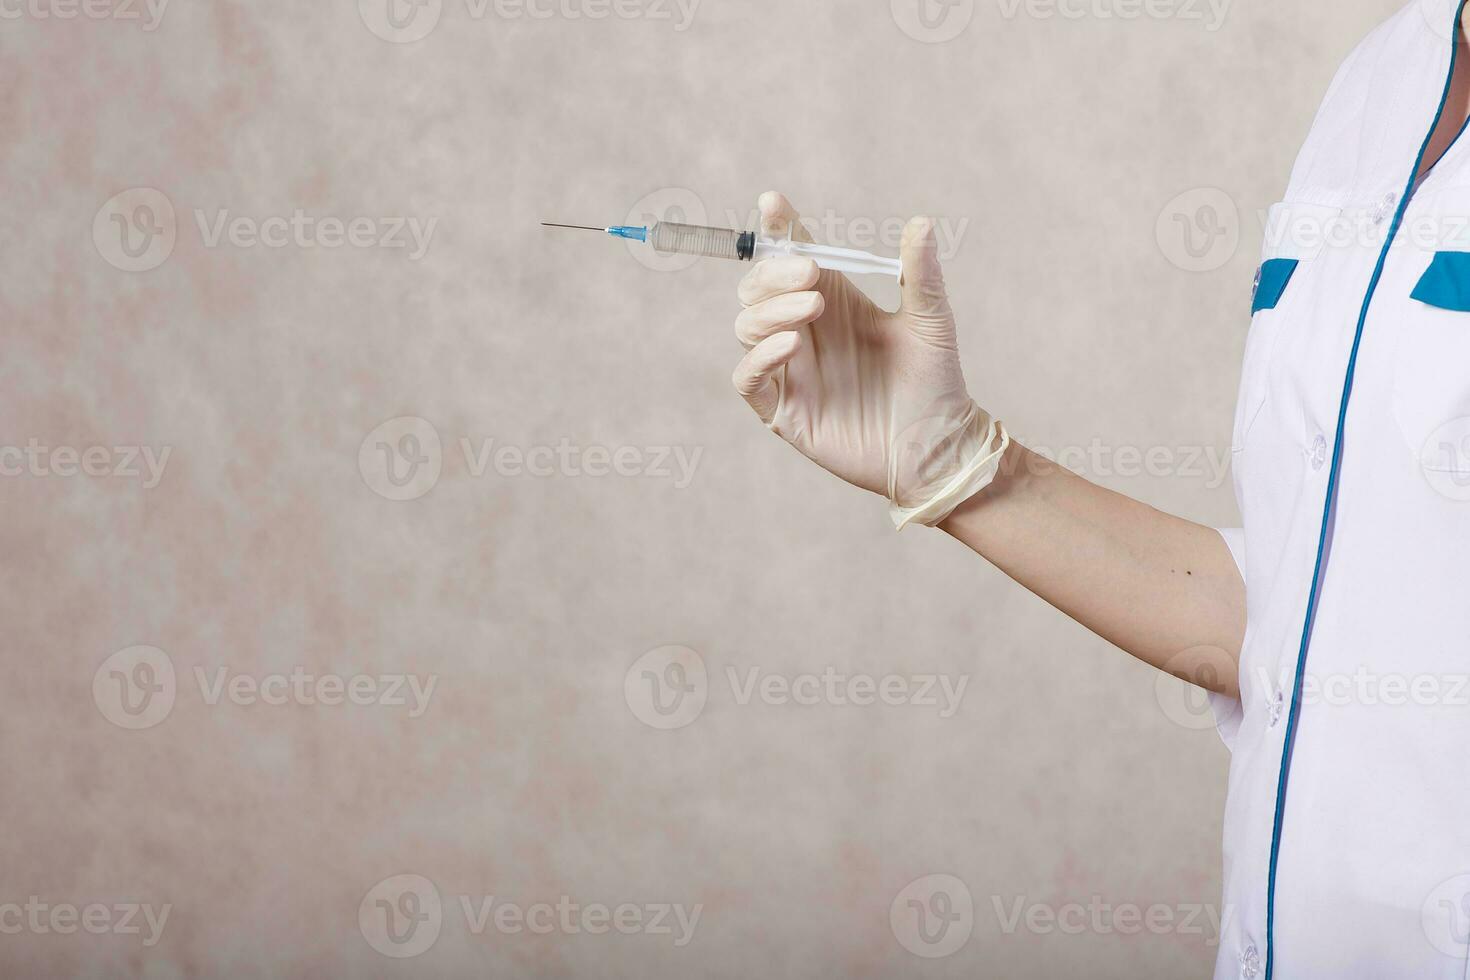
{"x":630,"y":232}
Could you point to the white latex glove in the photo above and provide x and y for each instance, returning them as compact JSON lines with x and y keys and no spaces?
{"x":876,"y":398}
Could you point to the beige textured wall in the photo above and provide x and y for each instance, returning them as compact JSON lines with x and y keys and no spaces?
{"x":173,"y":624}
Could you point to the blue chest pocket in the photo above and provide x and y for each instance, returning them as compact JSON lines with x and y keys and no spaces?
{"x":1271,"y":280}
{"x":1446,"y":283}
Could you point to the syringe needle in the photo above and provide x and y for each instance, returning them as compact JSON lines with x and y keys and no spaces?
{"x":553,"y":224}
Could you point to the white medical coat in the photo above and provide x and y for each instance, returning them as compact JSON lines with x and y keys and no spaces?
{"x":1347,"y":830}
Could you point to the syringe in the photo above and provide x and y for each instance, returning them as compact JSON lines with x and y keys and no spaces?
{"x":671,"y":238}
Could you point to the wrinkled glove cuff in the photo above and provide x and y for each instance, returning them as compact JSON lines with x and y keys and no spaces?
{"x":973,"y":477}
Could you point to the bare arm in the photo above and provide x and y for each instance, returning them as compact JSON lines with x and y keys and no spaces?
{"x":1164,"y":589}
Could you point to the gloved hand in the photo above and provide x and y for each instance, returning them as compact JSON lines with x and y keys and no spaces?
{"x":876,"y":398}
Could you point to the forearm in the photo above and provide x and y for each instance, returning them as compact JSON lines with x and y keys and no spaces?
{"x":1164,"y":589}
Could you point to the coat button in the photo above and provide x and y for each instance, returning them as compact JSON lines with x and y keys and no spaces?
{"x":1250,"y":963}
{"x":1319,"y":451}
{"x":1273,"y":713}
{"x":1383,"y":210}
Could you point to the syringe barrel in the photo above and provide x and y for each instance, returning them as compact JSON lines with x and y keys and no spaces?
{"x":672,"y":238}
